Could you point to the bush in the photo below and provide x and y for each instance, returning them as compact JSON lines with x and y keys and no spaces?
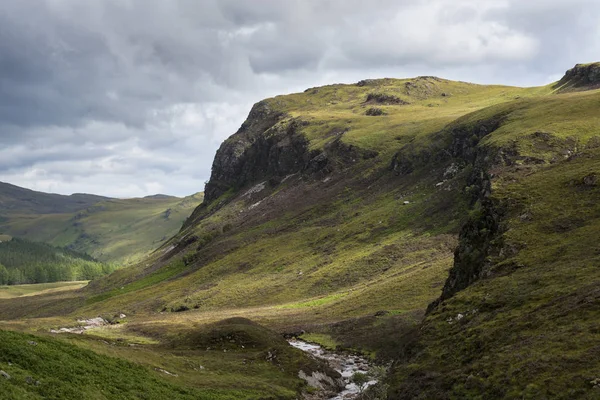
{"x":374,"y":111}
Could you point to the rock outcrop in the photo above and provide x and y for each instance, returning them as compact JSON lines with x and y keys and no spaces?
{"x":580,"y":77}
{"x":270,"y":146}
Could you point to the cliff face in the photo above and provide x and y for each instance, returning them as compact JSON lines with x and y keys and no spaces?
{"x":580,"y":77}
{"x":270,"y":146}
{"x":243,"y":155}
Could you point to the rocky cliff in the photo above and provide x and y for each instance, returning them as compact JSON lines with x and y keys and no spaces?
{"x":580,"y":77}
{"x":269,"y":146}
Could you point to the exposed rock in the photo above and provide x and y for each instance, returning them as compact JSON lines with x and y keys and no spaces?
{"x":580,"y":77}
{"x":590,"y":180}
{"x":31,"y":381}
{"x":164,"y":371}
{"x":85,"y":324}
{"x":366,"y":82}
{"x":383,"y":98}
{"x":270,"y":147}
{"x":480,"y":237}
{"x":4,"y":374}
{"x":451,"y":171}
{"x":320,"y":380}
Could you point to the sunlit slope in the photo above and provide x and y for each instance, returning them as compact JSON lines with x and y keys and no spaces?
{"x":528,"y":327}
{"x":359,"y":238}
{"x":120,"y":230}
{"x":256,"y":363}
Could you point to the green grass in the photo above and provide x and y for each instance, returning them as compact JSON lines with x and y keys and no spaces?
{"x":53,"y":369}
{"x":326,"y":341}
{"x":118,"y":230}
{"x":316,"y":302}
{"x":347,"y":260}
{"x":529,"y":330}
{"x":12,"y":291}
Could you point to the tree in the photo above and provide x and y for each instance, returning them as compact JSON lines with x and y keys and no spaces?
{"x":3,"y":275}
{"x":361,"y":380}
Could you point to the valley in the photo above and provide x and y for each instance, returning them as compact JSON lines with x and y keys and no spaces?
{"x":110,"y":230}
{"x":447,"y":231}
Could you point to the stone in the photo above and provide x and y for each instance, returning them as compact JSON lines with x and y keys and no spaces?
{"x":4,"y":374}
{"x":451,"y":171}
{"x":31,"y":381}
{"x":590,"y":180}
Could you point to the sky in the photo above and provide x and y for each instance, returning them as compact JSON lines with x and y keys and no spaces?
{"x":129,"y":98}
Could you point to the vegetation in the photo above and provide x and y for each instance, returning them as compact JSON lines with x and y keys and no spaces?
{"x":110,"y":230}
{"x":12,"y":291}
{"x":22,"y":262}
{"x":353,"y":248}
{"x":43,"y":368}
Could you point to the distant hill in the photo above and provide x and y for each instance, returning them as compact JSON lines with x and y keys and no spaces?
{"x":120,"y":230}
{"x":23,"y":261}
{"x":15,"y":199}
{"x":160,"y":197}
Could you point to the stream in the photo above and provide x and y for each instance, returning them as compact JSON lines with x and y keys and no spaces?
{"x":345,"y":364}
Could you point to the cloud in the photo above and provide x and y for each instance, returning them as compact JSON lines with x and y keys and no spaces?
{"x":124,"y":98}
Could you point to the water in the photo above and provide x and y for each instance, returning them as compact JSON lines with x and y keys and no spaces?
{"x":346,"y":364}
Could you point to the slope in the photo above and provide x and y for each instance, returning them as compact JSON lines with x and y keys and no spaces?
{"x":119,"y":230}
{"x":17,"y":200}
{"x":302,"y":206}
{"x":42,"y":367}
{"x":347,"y":210}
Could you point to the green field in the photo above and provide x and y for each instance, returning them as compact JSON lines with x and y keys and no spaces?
{"x":12,"y":291}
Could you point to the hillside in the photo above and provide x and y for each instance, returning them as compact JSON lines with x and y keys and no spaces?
{"x":112,"y":230}
{"x":445,"y":226}
{"x":34,"y":367}
{"x":17,"y":200}
{"x":24,"y":262}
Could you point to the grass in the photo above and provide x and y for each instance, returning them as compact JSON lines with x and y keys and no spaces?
{"x":118,"y":230}
{"x":529,"y":330}
{"x":13,"y":291}
{"x":355,"y":257}
{"x":55,"y":369}
{"x":325,"y":341}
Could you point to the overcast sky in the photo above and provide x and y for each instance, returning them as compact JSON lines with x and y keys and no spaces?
{"x":133,"y":97}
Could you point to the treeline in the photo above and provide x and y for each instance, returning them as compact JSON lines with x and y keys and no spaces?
{"x":22,"y":261}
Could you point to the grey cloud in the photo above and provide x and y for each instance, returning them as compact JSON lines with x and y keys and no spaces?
{"x":108,"y":95}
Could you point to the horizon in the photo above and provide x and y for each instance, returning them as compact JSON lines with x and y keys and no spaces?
{"x":129,"y":100}
{"x":283,"y":94}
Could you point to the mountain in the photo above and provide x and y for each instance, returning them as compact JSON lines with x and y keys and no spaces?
{"x":112,"y":230}
{"x":447,"y":227}
{"x":17,"y":200}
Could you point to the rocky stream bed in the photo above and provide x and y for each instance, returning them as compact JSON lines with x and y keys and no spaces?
{"x":344,"y":363}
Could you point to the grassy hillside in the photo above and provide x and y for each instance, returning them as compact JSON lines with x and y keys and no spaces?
{"x":17,"y":200}
{"x":118,"y":230}
{"x":12,"y":291}
{"x":26,"y":262}
{"x":74,"y":368}
{"x":345,"y":211}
